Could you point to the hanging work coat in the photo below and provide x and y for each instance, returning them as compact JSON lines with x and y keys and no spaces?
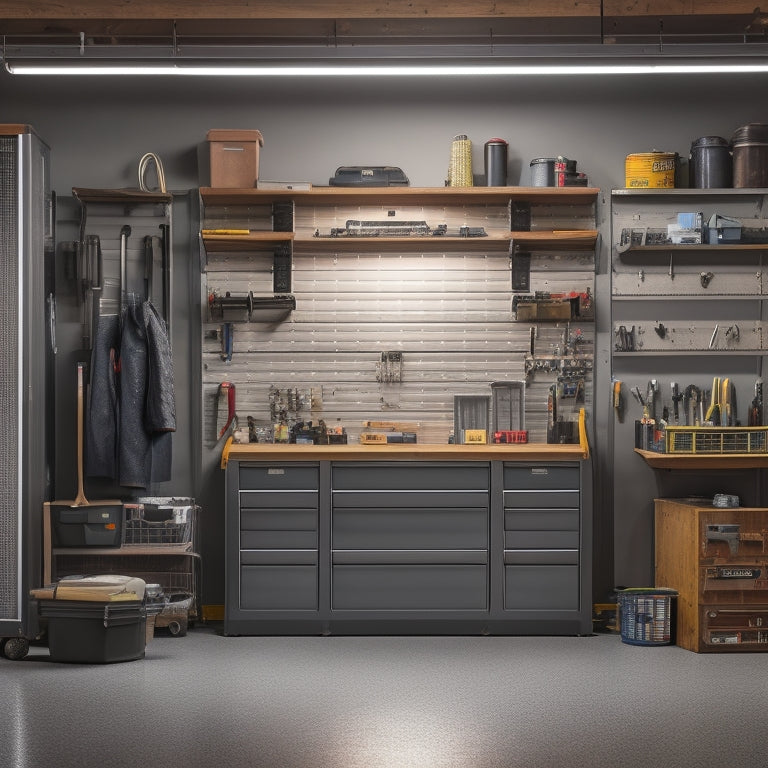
{"x":132,"y":408}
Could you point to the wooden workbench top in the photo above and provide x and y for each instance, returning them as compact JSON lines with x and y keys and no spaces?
{"x":402,"y":451}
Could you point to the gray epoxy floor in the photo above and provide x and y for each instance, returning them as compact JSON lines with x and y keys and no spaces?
{"x":365,"y":702}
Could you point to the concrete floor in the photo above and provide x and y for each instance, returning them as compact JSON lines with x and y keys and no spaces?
{"x":389,"y":702}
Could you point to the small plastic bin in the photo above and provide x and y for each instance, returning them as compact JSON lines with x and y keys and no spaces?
{"x":646,"y":615}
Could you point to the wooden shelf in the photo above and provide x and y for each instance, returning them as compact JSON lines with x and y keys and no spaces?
{"x":253,"y":241}
{"x":704,"y":461}
{"x":402,"y":195}
{"x":692,"y":248}
{"x":120,"y":196}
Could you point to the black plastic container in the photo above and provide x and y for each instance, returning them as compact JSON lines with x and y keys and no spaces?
{"x":710,"y":165}
{"x":89,"y":526}
{"x":543,"y":172}
{"x":496,"y":151}
{"x":750,"y":156}
{"x":85,"y":632}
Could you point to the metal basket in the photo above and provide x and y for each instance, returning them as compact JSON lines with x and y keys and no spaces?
{"x":645,"y":615}
{"x":716,"y":440}
{"x":159,"y":525}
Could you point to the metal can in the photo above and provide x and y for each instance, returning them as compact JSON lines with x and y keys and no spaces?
{"x":710,"y":164}
{"x":651,"y":170}
{"x":543,"y":172}
{"x":750,"y":156}
{"x":496,"y":162}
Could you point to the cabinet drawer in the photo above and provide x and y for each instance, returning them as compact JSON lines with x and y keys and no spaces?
{"x":541,"y":478}
{"x":541,"y":587}
{"x":410,"y":557}
{"x":278,"y":520}
{"x":278,"y":557}
{"x":398,"y":499}
{"x":541,"y":540}
{"x":543,"y":519}
{"x":278,"y":539}
{"x":280,"y":478}
{"x":541,"y":556}
{"x":278,"y":587}
{"x":411,"y":476}
{"x":555,"y":499}
{"x":409,"y":587}
{"x":410,"y":528}
{"x":278,"y":499}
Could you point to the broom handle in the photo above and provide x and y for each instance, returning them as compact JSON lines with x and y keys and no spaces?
{"x":80,"y":501}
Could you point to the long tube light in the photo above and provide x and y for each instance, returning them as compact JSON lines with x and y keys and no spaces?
{"x":423,"y":69}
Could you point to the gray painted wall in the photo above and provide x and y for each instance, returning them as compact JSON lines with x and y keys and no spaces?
{"x":99,"y":128}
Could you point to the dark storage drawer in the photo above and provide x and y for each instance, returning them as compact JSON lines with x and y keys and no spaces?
{"x":541,"y":519}
{"x":556,"y":499}
{"x":541,"y":587}
{"x":409,"y":556}
{"x":422,"y":499}
{"x":410,"y":528}
{"x":278,"y":587}
{"x":411,"y":476}
{"x":278,"y":520}
{"x":541,"y":556}
{"x":541,"y":477}
{"x":279,"y":478}
{"x":409,"y":587}
{"x":278,"y":539}
{"x":278,"y":499}
{"x":541,"y":540}
{"x":278,"y":557}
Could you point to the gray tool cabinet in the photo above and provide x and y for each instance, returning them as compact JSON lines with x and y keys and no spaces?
{"x":381,"y":545}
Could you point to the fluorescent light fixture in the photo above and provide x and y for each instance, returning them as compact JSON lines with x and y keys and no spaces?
{"x":419,"y":69}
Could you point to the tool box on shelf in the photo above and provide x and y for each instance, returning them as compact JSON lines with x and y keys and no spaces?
{"x":710,"y":440}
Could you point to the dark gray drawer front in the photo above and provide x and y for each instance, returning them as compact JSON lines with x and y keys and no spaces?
{"x":541,"y":556}
{"x":409,"y":528}
{"x":278,"y":587}
{"x":543,"y":519}
{"x":279,"y":478}
{"x":278,"y":557}
{"x":278,"y":519}
{"x":409,"y":556}
{"x":541,"y":540}
{"x":278,"y":499}
{"x":541,"y":478}
{"x":409,"y":587}
{"x":541,"y":587}
{"x":434,"y":499}
{"x":411,"y":476}
{"x":541,"y":499}
{"x":278,"y":539}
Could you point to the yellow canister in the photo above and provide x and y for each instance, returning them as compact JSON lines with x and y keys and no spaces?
{"x":651,"y":170}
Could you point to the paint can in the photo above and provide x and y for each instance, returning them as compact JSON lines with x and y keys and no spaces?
{"x":496,"y":163}
{"x":543,"y":171}
{"x":709,"y":164}
{"x":750,"y":156}
{"x":651,"y":170}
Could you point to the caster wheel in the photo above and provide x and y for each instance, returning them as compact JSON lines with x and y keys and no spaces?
{"x":16,"y":648}
{"x":178,"y":628}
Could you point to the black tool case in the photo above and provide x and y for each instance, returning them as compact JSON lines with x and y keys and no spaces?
{"x":95,"y":632}
{"x":368,"y":176}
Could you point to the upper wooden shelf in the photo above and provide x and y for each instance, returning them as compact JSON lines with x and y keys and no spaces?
{"x":120,"y":196}
{"x":401,"y":195}
{"x":707,"y":462}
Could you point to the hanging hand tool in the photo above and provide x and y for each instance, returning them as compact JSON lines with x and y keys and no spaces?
{"x":618,"y":401}
{"x":756,"y":408}
{"x":676,"y":398}
{"x":227,"y":341}
{"x":713,"y":412}
{"x":226,"y":415}
{"x":691,"y":399}
{"x":650,"y":399}
{"x":125,"y":233}
{"x":149,"y":266}
{"x":726,"y":415}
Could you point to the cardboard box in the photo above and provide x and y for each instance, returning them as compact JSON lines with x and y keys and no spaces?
{"x":234,"y":157}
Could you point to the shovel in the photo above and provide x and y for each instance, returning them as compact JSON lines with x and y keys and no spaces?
{"x":82,"y":523}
